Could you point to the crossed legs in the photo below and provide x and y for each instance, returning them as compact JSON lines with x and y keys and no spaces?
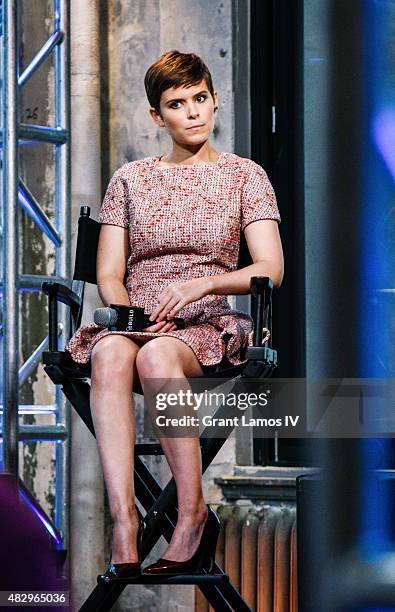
{"x":115,"y":362}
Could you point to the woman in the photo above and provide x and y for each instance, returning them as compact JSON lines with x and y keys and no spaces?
{"x":172,"y":223}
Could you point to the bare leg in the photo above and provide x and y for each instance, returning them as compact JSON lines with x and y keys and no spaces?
{"x":113,"y":369}
{"x":172,"y":358}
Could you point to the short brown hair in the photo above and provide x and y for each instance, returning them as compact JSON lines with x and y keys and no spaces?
{"x":174,"y":69}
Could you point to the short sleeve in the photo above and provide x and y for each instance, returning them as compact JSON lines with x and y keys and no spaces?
{"x":258,"y":200}
{"x":115,"y":208}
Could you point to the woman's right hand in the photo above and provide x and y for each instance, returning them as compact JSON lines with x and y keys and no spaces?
{"x":162,"y":326}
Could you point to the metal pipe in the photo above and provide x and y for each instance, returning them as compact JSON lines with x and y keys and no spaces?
{"x":233,"y":545}
{"x":35,"y":212}
{"x":25,"y":143}
{"x":39,"y":512}
{"x":10,"y":240}
{"x":281,"y":561}
{"x":293,"y":586}
{"x":249,"y":558}
{"x":34,"y":134}
{"x":40,"y":56}
{"x":31,"y":282}
{"x":43,"y":133}
{"x":32,"y":362}
{"x":265,"y":567}
{"x":62,"y":219}
{"x":40,"y":433}
{"x":35,"y":409}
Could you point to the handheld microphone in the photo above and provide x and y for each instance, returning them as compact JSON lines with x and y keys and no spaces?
{"x":118,"y":317}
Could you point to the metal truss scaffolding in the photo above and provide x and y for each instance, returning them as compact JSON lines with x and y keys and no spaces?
{"x":15,"y":195}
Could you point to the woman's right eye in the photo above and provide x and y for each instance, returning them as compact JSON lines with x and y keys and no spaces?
{"x":173,"y":103}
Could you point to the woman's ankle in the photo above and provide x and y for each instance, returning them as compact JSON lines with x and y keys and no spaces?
{"x":193,"y":515}
{"x":125,"y":515}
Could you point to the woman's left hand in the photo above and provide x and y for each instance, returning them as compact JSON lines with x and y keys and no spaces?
{"x":178,"y":295}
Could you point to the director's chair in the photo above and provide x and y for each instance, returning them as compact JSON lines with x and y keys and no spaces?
{"x":160,"y":504}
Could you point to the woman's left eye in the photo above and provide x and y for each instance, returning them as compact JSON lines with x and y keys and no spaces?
{"x":203,"y":97}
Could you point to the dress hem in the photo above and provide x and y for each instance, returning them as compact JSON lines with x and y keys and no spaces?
{"x":221,"y":346}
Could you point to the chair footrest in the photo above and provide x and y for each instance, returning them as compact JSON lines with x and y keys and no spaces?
{"x":206,"y":579}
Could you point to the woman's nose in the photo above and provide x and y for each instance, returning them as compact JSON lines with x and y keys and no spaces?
{"x":193,"y":111}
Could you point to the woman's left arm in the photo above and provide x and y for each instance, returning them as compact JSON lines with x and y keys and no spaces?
{"x":264,"y":244}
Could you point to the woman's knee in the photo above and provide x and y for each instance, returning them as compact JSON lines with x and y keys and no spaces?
{"x":155,"y":359}
{"x":112,"y":357}
{"x":161,"y":358}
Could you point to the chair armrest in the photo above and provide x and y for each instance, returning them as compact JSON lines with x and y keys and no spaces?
{"x":261,"y":296}
{"x":59,"y":293}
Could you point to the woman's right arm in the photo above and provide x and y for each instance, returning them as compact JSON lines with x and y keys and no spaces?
{"x":112,"y":256}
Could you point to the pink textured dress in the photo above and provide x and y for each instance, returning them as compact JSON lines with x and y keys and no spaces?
{"x":184,"y":222}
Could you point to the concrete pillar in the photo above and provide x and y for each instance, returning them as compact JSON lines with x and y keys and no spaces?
{"x":87,"y":506}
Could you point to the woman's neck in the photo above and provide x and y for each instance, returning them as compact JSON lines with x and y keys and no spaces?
{"x":182,"y":156}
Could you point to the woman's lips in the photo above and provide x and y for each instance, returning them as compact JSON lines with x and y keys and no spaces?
{"x":195,"y":127}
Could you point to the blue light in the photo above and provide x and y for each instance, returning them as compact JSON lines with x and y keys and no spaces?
{"x":43,"y":519}
{"x":383,"y":135}
{"x":377,"y":261}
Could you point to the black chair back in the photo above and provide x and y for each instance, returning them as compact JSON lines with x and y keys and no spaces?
{"x":87,"y":244}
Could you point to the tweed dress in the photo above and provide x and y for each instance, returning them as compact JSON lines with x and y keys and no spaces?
{"x":184,"y":222}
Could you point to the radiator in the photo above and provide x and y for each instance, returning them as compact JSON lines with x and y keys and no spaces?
{"x":257,"y":548}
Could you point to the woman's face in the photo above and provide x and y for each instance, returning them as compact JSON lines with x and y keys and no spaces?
{"x":183,"y":108}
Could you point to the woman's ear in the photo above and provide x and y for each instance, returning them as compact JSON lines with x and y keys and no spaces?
{"x":215,"y":101}
{"x":156,"y":117}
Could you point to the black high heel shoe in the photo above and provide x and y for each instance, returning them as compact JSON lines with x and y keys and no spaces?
{"x":202,"y":559}
{"x":120,"y":572}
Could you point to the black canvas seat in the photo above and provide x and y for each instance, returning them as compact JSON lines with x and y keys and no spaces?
{"x":159,"y":504}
